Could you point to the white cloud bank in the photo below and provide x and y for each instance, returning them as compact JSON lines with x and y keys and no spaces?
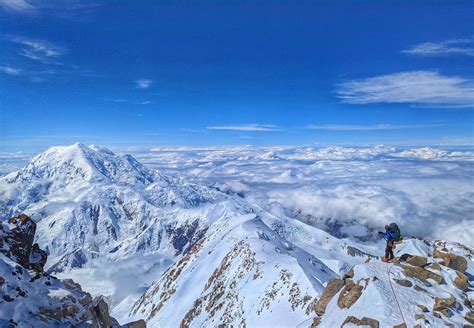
{"x":425,"y":88}
{"x":428,"y":191}
{"x":444,"y":48}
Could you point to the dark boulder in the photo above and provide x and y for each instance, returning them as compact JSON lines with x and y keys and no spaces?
{"x":16,"y":239}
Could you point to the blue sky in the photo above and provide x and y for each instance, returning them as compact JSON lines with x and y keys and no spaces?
{"x":151,"y":73}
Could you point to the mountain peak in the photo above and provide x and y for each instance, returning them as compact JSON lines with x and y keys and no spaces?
{"x":78,"y":162}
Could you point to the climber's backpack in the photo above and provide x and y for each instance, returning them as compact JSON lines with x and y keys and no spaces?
{"x":393,"y":227}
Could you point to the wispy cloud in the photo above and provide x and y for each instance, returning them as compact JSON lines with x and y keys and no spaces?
{"x":425,"y":88}
{"x":443,"y":48}
{"x":374,"y":127}
{"x":126,"y":101}
{"x":143,"y":83}
{"x":18,"y":6}
{"x":71,"y":9}
{"x":40,"y":60}
{"x":245,"y":127}
{"x":38,"y":50}
{"x":10,"y":70}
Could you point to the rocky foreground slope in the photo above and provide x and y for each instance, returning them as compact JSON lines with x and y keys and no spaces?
{"x":30,"y":297}
{"x":428,"y":285}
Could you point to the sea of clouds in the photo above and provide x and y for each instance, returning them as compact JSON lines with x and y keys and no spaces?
{"x":429,"y":192}
{"x":348,"y":191}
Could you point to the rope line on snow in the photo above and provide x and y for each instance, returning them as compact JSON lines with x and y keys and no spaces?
{"x":395,"y":295}
{"x":303,"y":322}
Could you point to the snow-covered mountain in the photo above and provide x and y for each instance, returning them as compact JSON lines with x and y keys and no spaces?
{"x":89,"y":201}
{"x":94,"y":208}
{"x":176,"y":253}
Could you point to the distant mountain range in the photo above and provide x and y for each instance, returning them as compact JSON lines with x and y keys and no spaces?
{"x":181,"y":254}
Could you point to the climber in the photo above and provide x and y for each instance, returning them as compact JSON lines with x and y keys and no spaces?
{"x":391,"y":234}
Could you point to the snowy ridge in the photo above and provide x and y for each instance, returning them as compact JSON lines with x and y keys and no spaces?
{"x":425,"y":290}
{"x":241,"y":273}
{"x":254,"y":269}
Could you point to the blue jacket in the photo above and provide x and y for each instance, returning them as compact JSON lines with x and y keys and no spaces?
{"x":388,"y":235}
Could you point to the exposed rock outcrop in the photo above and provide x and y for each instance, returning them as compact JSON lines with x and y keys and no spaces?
{"x":470,"y":317}
{"x":30,"y":297}
{"x":16,"y":242}
{"x":446,"y":306}
{"x":369,"y":284}
{"x":421,"y":274}
{"x":349,"y":294}
{"x":461,"y":281}
{"x":404,"y":282}
{"x":418,"y":261}
{"x":453,"y":261}
{"x":333,"y":287}
{"x":135,"y":324}
{"x":365,"y":321}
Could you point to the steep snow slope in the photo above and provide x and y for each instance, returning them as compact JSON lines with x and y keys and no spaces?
{"x":243,"y":272}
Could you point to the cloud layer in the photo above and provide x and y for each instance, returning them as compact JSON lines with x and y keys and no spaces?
{"x":425,"y":88}
{"x":428,"y":191}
